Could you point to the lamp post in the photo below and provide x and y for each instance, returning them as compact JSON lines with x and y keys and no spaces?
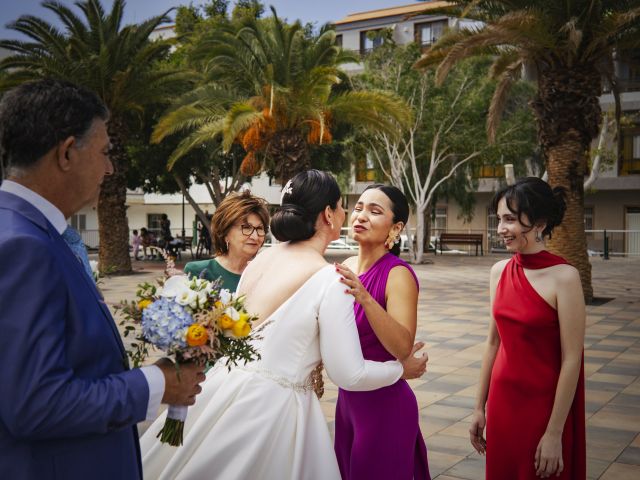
{"x":183,"y":231}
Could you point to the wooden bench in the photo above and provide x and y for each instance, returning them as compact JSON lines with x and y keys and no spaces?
{"x":459,"y":239}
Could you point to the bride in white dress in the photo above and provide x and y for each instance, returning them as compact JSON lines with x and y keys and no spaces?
{"x":263,"y":420}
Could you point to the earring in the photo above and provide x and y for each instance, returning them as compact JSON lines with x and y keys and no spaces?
{"x":390,"y":241}
{"x":227,"y":242}
{"x":538,"y":236}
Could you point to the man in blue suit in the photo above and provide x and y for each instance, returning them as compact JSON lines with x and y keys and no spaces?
{"x":68,"y":402}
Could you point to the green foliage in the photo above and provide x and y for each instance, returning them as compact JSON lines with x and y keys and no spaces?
{"x":253,"y":9}
{"x":391,"y":67}
{"x":280,"y":79}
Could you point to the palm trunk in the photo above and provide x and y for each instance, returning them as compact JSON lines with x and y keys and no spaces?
{"x":568,"y":115}
{"x":290,"y":153}
{"x":566,"y":167}
{"x":112,"y":211}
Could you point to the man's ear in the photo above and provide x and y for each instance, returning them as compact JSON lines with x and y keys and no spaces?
{"x":63,"y":153}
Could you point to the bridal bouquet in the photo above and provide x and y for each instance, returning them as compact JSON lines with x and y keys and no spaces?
{"x":189,"y":319}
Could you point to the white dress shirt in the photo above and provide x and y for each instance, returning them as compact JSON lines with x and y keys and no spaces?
{"x":153,"y":374}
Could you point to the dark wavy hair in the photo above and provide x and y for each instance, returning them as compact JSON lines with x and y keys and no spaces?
{"x":307,"y":194}
{"x":536,"y":199}
{"x":399,"y":206}
{"x":37,"y":116}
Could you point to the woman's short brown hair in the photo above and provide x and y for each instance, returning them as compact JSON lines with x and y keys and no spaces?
{"x":236,"y":207}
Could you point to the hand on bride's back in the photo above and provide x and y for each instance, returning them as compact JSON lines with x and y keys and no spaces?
{"x":412,"y":366}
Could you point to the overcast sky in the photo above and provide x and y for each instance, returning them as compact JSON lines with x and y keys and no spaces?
{"x":319,"y":11}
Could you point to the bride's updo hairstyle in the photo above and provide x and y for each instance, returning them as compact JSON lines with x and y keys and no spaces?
{"x":303,"y":198}
{"x":399,"y":206}
{"x":534,"y":198}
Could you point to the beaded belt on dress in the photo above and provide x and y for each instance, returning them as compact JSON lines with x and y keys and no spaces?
{"x":302,"y":387}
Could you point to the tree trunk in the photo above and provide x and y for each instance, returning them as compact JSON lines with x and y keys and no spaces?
{"x":290,"y":153}
{"x":566,"y":167}
{"x":568,"y":118}
{"x":112,"y":210}
{"x":420,"y":211}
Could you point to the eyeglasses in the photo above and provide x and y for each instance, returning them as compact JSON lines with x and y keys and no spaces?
{"x":247,"y":230}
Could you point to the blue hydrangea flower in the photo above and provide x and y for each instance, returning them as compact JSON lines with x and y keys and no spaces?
{"x":165,"y":323}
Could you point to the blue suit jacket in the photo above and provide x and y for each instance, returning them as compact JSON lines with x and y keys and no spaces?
{"x":68,"y":403}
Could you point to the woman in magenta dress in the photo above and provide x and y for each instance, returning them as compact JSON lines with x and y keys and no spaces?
{"x":532,"y":379}
{"x":377,"y":432}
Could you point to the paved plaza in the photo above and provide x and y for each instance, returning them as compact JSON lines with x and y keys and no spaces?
{"x":453,"y":313}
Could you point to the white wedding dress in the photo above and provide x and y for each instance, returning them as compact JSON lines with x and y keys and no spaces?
{"x":263,"y":421}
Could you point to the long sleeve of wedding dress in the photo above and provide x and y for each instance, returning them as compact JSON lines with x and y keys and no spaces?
{"x":340,"y":346}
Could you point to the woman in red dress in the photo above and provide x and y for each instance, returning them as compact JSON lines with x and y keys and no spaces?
{"x":532,"y":379}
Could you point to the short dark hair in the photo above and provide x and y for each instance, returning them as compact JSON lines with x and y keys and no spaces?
{"x":533,"y":197}
{"x":307,"y":194}
{"x":399,"y":206}
{"x":37,"y":116}
{"x":235,"y":208}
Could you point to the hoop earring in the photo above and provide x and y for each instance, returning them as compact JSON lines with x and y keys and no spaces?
{"x":538,"y":236}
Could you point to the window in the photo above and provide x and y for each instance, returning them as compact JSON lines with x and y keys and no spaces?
{"x":79,"y":222}
{"x":630,"y":164}
{"x":428,"y":33}
{"x":439,"y":224}
{"x":490,"y":171}
{"x":366,"y":170}
{"x":338,"y":40}
{"x":370,"y":40}
{"x":495,"y":243}
{"x":588,"y":222}
{"x":153,"y":223}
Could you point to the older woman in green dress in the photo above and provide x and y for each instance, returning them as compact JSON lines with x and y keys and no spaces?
{"x":238,"y":230}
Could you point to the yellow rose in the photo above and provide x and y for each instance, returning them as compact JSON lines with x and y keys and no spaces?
{"x":142,"y":304}
{"x":197,"y":335}
{"x":241,"y":328}
{"x":225,"y":322}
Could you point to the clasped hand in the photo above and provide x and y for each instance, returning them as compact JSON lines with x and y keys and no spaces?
{"x":182,"y":384}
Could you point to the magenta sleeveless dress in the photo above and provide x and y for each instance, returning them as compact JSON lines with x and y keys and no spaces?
{"x":377,"y":433}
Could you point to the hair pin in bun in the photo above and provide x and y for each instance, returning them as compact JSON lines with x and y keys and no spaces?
{"x":287,"y":190}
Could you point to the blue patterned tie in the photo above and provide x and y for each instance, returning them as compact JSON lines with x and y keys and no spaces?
{"x":73,"y":239}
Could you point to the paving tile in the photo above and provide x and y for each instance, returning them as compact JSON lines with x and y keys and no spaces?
{"x":630,"y":455}
{"x":595,"y":467}
{"x":620,"y":471}
{"x":450,"y":444}
{"x":471,"y":468}
{"x":440,"y":462}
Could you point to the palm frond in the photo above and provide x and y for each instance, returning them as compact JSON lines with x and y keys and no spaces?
{"x":238,"y":119}
{"x":509,"y":75}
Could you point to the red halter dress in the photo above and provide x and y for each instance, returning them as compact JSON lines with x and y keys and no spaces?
{"x":524,"y":379}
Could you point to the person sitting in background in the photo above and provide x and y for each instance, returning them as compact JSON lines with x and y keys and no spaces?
{"x":238,"y":229}
{"x":148,"y":240}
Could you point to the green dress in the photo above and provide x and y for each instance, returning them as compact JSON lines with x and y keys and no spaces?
{"x":212,"y":271}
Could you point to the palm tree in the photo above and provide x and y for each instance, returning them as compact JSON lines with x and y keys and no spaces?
{"x":568,"y":46}
{"x":114,"y":61}
{"x":274,"y":92}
